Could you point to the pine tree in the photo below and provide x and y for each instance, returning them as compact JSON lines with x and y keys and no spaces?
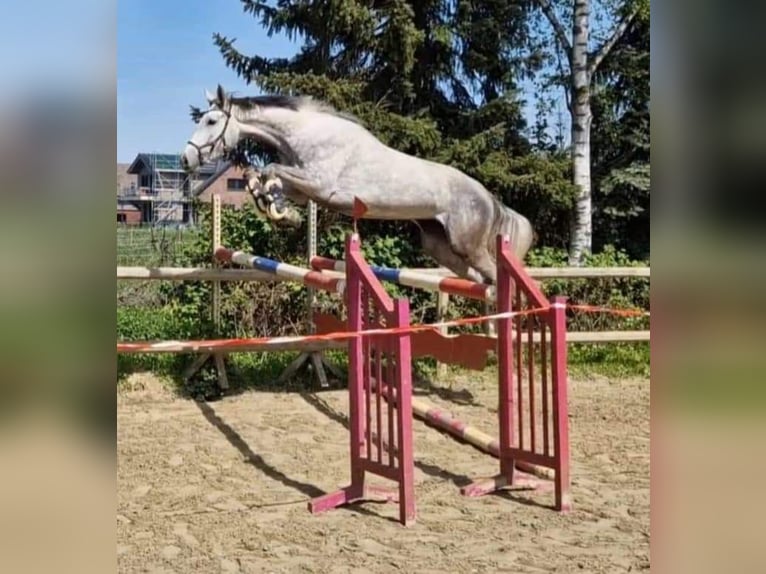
{"x":620,"y":144}
{"x":430,"y":57}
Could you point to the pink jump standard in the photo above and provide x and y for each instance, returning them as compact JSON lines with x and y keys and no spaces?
{"x":520,"y":422}
{"x":532,"y":375}
{"x":380,"y":415}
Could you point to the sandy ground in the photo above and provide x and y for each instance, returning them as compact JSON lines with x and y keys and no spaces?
{"x":222,"y":487}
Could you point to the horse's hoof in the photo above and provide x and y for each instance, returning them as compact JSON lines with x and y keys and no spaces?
{"x":261,"y":203}
{"x":271,"y":183}
{"x":276,"y":213}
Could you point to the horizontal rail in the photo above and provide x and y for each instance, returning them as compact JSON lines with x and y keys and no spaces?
{"x":289,"y":272}
{"x":229,"y":346}
{"x":194,"y":274}
{"x":586,"y":337}
{"x":208,"y":274}
{"x":607,"y":336}
{"x":594,"y":337}
{"x":586,"y":272}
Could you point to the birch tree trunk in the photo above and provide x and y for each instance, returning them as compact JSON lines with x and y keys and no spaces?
{"x":581,"y":71}
{"x":582,"y":230}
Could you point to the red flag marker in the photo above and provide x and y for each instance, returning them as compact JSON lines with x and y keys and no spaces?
{"x":359,"y":209}
{"x":358,"y":212}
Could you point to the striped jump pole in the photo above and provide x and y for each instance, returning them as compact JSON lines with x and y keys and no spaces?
{"x":418,"y":279}
{"x":444,"y":421}
{"x":283,"y":271}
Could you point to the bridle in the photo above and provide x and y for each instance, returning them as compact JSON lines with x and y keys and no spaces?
{"x":220,"y":138}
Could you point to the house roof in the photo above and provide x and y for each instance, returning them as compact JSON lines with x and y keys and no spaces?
{"x":156,"y":162}
{"x":165,"y":162}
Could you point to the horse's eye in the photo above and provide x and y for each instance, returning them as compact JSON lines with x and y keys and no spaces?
{"x":211,"y":122}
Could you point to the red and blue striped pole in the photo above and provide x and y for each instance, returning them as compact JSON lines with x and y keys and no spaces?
{"x":282,"y":270}
{"x":418,"y":279}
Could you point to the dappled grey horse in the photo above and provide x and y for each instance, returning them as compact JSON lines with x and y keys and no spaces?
{"x":328,"y":157}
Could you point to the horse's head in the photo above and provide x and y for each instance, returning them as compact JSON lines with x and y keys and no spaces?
{"x":217,"y":132}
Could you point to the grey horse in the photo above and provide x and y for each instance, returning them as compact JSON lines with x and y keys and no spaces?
{"x":330,"y":158}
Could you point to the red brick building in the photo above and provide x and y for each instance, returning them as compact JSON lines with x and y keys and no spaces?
{"x":229,"y":183}
{"x":128,"y":214}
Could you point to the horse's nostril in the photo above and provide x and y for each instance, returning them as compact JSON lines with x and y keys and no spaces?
{"x":184,"y":162}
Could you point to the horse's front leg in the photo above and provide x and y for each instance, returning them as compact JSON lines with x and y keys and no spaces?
{"x":304,"y":183}
{"x":269,"y":198}
{"x":295,"y":177}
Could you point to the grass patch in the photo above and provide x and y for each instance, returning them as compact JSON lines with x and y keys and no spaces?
{"x":617,"y":360}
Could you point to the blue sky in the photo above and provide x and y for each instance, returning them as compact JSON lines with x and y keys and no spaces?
{"x":165,"y":61}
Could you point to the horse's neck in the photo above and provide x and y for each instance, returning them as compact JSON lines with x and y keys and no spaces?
{"x":313,"y":135}
{"x":264,"y":133}
{"x":282,"y":122}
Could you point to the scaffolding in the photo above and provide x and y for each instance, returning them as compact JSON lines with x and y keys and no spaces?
{"x":163,"y":191}
{"x":170,"y":187}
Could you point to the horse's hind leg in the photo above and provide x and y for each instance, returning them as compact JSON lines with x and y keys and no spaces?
{"x":436,"y":244}
{"x":467,"y":231}
{"x":482,"y":260}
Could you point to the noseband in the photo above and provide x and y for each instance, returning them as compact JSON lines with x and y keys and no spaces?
{"x":221,"y":138}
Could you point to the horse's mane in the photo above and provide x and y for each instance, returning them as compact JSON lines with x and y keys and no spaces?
{"x":295,"y":103}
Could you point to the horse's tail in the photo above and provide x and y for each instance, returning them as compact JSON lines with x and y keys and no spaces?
{"x":516,"y":226}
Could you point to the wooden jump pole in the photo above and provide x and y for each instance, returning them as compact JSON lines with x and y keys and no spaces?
{"x":230,"y":346}
{"x":220,"y":364}
{"x":281,"y":270}
{"x":444,"y":421}
{"x":190,"y":274}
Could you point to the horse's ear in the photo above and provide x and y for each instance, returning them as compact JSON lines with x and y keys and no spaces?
{"x":221,"y":93}
{"x":210,"y":97}
{"x":196,"y":114}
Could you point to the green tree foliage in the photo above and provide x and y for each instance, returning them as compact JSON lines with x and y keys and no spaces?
{"x":621,"y":154}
